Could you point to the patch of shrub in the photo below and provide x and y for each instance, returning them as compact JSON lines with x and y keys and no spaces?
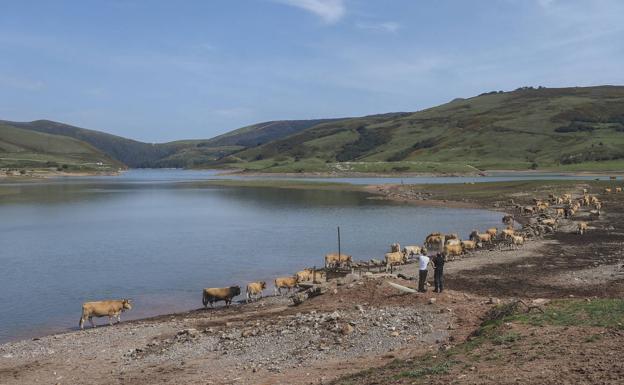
{"x":575,"y":127}
{"x":369,"y":139}
{"x":402,"y":154}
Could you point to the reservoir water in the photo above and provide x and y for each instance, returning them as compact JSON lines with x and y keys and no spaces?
{"x":150,"y":236}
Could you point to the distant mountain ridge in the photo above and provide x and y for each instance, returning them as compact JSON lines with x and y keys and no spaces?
{"x":578,"y":128}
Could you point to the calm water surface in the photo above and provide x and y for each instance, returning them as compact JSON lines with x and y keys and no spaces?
{"x":146,"y":236}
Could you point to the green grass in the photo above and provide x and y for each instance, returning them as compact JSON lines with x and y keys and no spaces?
{"x":435,"y":369}
{"x":598,"y":313}
{"x":25,"y":149}
{"x":515,"y":130}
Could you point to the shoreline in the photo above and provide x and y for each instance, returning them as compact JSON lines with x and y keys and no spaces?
{"x":348,"y":174}
{"x":49,"y":174}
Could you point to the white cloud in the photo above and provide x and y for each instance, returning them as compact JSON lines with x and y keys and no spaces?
{"x":388,"y":26}
{"x":329,"y":10}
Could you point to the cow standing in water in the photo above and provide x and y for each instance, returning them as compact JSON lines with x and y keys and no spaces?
{"x":110,"y":309}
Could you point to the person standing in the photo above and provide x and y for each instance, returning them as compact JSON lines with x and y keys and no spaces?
{"x":438,"y":271}
{"x":423,"y":263}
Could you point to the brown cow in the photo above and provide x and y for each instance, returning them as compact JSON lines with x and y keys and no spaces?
{"x":110,"y":309}
{"x":434,"y":239}
{"x":618,"y":189}
{"x":288,"y":283}
{"x":305,"y":275}
{"x":582,"y":228}
{"x":453,"y":250}
{"x":607,"y":190}
{"x":395,"y":258}
{"x":254,"y":290}
{"x":517,"y":241}
{"x":216,"y":294}
{"x":333,"y":260}
{"x":468,"y":245}
{"x":483,"y":238}
{"x":507,"y":233}
{"x":492,"y":231}
{"x":409,"y":251}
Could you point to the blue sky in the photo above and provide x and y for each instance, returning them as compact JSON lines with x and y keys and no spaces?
{"x":164,"y":70}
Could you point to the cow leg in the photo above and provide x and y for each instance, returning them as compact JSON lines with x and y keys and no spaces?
{"x":81,"y":323}
{"x":110,"y":320}
{"x":118,"y":318}
{"x":92,"y":323}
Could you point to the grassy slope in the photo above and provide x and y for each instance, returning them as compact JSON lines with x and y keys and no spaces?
{"x":20,"y":148}
{"x":566,"y":129}
{"x":183,"y":153}
{"x":127,"y":151}
{"x":514,"y":130}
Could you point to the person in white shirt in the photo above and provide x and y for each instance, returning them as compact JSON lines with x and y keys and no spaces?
{"x":423,"y":263}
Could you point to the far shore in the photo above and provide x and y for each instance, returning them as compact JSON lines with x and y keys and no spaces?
{"x":38,"y":174}
{"x":350,"y":174}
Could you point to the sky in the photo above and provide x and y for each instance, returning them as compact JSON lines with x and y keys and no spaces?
{"x":165,"y":70}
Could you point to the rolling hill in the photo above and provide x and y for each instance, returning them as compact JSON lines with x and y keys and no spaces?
{"x":580,"y":128}
{"x":21,"y":148}
{"x":559,"y":129}
{"x":184,"y":153}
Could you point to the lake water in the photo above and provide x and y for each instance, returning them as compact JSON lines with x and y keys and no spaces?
{"x":147,"y":236}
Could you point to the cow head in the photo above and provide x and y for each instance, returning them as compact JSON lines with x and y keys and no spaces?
{"x":263,"y":285}
{"x":235,"y":290}
{"x":125,"y":303}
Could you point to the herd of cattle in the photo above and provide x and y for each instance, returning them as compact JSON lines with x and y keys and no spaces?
{"x":546,"y":214}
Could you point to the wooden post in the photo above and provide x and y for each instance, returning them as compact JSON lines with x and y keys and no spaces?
{"x":339,"y":252}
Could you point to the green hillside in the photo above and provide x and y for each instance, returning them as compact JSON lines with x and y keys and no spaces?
{"x":557,"y":129}
{"x":562,"y":129}
{"x":185,"y":153}
{"x":129,"y":152}
{"x":20,"y":148}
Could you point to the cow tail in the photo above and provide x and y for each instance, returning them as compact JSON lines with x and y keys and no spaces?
{"x":205,"y":299}
{"x":82,"y":317}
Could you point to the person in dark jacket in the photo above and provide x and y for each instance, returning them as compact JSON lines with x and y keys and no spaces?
{"x":438,"y":271}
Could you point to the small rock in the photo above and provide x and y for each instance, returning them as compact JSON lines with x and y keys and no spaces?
{"x":346,"y":329}
{"x":432,"y":301}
